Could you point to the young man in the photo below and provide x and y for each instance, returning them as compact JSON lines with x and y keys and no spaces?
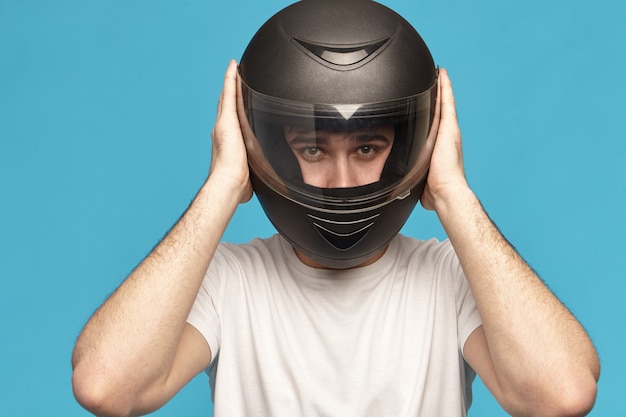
{"x":288,"y":328}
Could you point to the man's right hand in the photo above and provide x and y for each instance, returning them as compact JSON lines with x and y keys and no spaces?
{"x":137,"y":350}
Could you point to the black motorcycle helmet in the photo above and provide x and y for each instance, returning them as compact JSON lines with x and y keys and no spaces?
{"x":338,"y":65}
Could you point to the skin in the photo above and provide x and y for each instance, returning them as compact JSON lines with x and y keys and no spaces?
{"x":137,"y":351}
{"x":341,"y":159}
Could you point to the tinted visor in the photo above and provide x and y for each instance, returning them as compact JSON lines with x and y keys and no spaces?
{"x":292,"y":144}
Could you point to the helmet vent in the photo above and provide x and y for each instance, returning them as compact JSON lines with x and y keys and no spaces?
{"x":343,"y":235}
{"x":343,"y":242}
{"x":342,"y":56}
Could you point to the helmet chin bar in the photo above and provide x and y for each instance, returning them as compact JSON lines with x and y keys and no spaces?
{"x":335,"y":238}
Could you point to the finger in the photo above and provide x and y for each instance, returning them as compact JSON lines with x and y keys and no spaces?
{"x":448,"y":103}
{"x":226,"y":101}
{"x":449,"y":134}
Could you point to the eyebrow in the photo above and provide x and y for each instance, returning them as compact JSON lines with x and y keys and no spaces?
{"x":372,"y":137}
{"x":313,"y":138}
{"x":307,"y":140}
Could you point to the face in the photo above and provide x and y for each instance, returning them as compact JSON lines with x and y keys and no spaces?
{"x":330,"y":159}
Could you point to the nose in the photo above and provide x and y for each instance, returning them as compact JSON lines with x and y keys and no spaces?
{"x":342,"y":175}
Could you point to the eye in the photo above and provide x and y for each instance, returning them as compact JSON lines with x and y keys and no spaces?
{"x":371,"y":145}
{"x":368,"y":151}
{"x":312,"y":151}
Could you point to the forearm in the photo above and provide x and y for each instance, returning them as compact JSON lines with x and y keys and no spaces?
{"x":131,"y":341}
{"x":537,"y":347}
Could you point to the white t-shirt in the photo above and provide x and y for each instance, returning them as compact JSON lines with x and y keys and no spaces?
{"x":380,"y":340}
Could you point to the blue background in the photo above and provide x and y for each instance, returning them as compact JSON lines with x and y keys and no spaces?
{"x":106,"y":109}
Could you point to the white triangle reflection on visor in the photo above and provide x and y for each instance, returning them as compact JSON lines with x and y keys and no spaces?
{"x":347,"y":110}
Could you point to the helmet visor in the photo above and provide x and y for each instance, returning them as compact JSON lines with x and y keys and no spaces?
{"x":339,"y":155}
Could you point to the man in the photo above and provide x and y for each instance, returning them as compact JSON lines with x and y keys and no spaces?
{"x":290,"y":327}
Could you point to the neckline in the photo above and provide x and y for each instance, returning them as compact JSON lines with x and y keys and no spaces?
{"x":376,"y":268}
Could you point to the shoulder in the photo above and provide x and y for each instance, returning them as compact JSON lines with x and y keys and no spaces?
{"x":270,"y":243}
{"x":432,"y":257}
{"x":233,"y":263}
{"x":432,"y":249}
{"x":257,"y":252}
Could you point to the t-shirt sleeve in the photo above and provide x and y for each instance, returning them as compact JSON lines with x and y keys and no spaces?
{"x":468,"y":318}
{"x":205,"y":312}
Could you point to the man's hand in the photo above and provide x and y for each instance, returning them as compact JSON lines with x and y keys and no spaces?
{"x":228,"y":158}
{"x":446,"y":175}
{"x":530,"y":352}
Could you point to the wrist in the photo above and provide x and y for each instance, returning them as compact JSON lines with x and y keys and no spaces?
{"x":231,"y":185}
{"x":449,"y":197}
{"x":456,"y":206}
{"x":216,"y":201}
